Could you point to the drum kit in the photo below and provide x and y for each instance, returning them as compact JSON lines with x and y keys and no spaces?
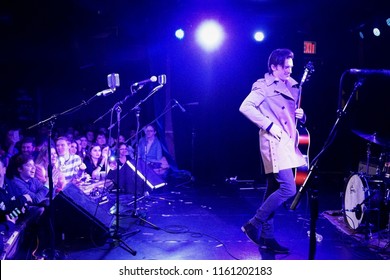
{"x":367,"y":192}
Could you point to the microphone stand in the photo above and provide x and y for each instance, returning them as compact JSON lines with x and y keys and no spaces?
{"x":116,"y":237}
{"x":314,"y":166}
{"x":51,"y":252}
{"x":137,"y":110}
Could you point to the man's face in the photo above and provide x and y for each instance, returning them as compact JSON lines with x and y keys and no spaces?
{"x":27,"y":148}
{"x":62,"y":147}
{"x":83,"y":142}
{"x":283,"y":72}
{"x":27,"y":170}
{"x":149,"y":131}
{"x":101,"y":140}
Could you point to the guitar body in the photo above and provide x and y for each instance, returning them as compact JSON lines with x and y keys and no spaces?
{"x":303,"y":145}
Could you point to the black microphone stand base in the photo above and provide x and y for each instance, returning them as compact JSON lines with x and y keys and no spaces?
{"x":142,"y":218}
{"x":116,"y":241}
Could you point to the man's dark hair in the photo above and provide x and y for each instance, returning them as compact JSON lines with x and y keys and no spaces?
{"x":278,"y":57}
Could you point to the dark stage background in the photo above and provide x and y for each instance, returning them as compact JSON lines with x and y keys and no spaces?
{"x":57,"y":54}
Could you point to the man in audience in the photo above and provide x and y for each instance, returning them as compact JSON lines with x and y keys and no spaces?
{"x":70,"y":165}
{"x":21,"y":173}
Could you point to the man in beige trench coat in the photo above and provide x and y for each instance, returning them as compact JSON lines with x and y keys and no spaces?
{"x":272,"y":106}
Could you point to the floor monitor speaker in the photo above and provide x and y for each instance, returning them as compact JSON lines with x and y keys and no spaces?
{"x":78,"y":215}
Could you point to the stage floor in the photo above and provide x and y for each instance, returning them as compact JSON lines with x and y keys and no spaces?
{"x":193,"y":221}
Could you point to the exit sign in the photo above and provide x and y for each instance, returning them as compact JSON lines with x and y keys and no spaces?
{"x":309,"y":47}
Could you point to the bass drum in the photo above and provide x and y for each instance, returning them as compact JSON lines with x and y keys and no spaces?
{"x":365,"y":201}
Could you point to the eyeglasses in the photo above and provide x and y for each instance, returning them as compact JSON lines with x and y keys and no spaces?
{"x":149,"y":130}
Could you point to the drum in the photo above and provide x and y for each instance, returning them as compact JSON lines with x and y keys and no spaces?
{"x":365,"y":202}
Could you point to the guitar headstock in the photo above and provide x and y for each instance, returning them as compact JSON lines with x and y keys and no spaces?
{"x":309,"y":69}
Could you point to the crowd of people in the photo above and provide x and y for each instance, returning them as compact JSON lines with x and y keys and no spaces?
{"x":34,"y":169}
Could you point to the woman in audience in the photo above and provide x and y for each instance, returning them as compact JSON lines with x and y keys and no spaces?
{"x":42,"y":165}
{"x":95,"y":163}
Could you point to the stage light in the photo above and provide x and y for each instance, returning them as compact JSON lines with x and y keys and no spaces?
{"x":179,"y":34}
{"x":259,"y":36}
{"x":210,"y":35}
{"x":376,"y":32}
{"x":361,"y":34}
{"x":388,"y":22}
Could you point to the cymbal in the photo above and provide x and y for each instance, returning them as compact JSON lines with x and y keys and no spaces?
{"x":373,"y":138}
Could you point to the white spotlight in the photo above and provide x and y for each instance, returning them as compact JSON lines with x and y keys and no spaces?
{"x":179,"y":34}
{"x":376,"y":31}
{"x":259,"y":36}
{"x":210,"y":35}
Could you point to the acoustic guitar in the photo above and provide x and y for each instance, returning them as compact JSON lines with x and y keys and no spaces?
{"x":303,"y":134}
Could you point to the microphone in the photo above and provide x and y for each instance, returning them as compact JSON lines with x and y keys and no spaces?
{"x":112,"y":82}
{"x":181,"y":107}
{"x":105,"y":92}
{"x":370,"y":71}
{"x":162,"y":79}
{"x":150,"y":80}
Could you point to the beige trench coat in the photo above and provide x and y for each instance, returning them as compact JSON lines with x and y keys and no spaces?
{"x":272,"y":101}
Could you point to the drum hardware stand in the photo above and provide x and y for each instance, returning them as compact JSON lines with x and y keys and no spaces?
{"x":313,"y":166}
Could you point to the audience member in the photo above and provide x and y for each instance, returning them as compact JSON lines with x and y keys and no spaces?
{"x":8,"y":147}
{"x":70,"y":165}
{"x":150,"y":150}
{"x":101,"y":139}
{"x":95,"y":162}
{"x":123,"y":154}
{"x":11,"y":207}
{"x":21,"y":173}
{"x":83,"y":146}
{"x":90,"y":135}
{"x":42,"y":166}
{"x":27,"y":146}
{"x":73,"y":147}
